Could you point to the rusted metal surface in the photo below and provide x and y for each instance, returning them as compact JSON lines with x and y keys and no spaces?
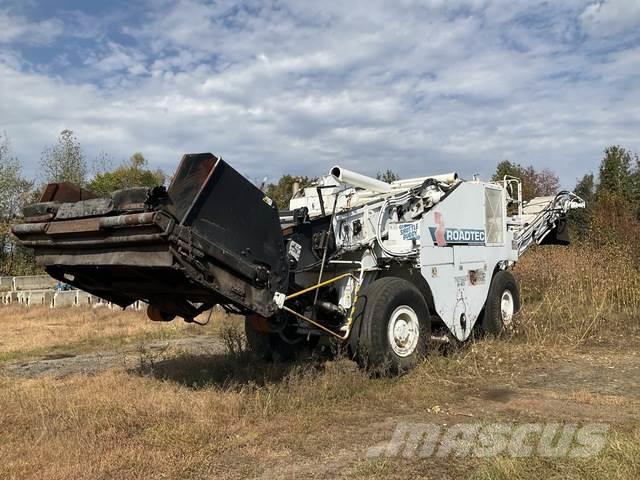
{"x":73,"y":226}
{"x":149,"y":257}
{"x":65,"y":192}
{"x":23,"y":229}
{"x":63,"y":242}
{"x":84,"y":224}
{"x":127,"y":220}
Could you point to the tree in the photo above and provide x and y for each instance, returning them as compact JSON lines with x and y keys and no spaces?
{"x":102,"y":163}
{"x":64,"y":161}
{"x":388,"y":176}
{"x":616,"y":172}
{"x":534,"y":183}
{"x":14,"y":193}
{"x":132,"y":173}
{"x":282,"y":191}
{"x":635,"y":187}
{"x":546,"y":182}
{"x":13,"y":187}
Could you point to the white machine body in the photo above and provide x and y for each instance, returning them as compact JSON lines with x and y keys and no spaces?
{"x":455,"y":233}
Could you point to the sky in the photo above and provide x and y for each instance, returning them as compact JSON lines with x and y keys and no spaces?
{"x":274,"y":87}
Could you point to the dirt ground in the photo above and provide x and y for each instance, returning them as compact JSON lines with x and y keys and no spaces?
{"x":62,"y":364}
{"x":187,"y":407}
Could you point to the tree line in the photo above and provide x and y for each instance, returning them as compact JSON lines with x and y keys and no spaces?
{"x":612,"y":193}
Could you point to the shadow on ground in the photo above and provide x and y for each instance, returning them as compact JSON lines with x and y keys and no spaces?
{"x":226,"y":370}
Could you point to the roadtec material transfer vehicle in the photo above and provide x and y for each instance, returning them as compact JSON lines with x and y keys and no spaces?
{"x":380,"y":267}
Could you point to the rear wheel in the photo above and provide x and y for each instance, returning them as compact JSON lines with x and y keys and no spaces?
{"x":395,"y":326}
{"x":503,"y":302}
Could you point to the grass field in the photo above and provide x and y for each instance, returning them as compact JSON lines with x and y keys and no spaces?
{"x":211,"y":411}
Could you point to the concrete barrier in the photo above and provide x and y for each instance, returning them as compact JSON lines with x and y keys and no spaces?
{"x":33,"y":282}
{"x":38,"y":297}
{"x":64,"y":298}
{"x":82,"y":298}
{"x":30,"y":298}
{"x":21,"y":297}
{"x":9,"y":297}
{"x":97,"y":302}
{"x":23,"y":290}
{"x":138,"y":305}
{"x":6,"y":284}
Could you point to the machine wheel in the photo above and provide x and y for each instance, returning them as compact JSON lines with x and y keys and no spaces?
{"x":268,"y":345}
{"x":503,"y":302}
{"x":394,"y":326}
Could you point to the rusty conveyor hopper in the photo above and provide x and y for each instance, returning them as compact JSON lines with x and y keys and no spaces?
{"x":211,"y":238}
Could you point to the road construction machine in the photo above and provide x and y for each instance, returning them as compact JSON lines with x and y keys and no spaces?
{"x":381,"y":268}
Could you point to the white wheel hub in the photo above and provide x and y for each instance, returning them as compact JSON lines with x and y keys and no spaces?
{"x":507,"y":307}
{"x":403,"y":331}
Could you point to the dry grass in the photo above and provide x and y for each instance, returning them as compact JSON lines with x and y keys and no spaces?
{"x":28,"y":332}
{"x":129,"y":426}
{"x":578,"y":294}
{"x":241,"y":420}
{"x":619,"y":461}
{"x":226,"y":416}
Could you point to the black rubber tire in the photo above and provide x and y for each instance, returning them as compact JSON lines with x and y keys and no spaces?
{"x":270,"y":346}
{"x":492,"y":321}
{"x":376,"y":303}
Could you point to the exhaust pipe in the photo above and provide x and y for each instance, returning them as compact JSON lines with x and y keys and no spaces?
{"x":358,"y":180}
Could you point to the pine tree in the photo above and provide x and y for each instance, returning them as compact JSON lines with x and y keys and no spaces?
{"x":615,"y":173}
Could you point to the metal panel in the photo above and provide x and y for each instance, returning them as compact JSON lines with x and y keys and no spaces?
{"x":192,"y":174}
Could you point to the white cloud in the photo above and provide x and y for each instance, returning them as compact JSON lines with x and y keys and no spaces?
{"x":117,"y":59}
{"x":299,"y":86}
{"x":611,"y":17}
{"x":15,"y":28}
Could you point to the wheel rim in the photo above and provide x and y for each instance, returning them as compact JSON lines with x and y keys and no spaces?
{"x":403,"y":331}
{"x":507,"y":307}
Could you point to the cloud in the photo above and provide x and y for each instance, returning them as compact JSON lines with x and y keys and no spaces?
{"x":117,"y":58}
{"x":419,"y":87}
{"x":19,"y":29}
{"x":611,"y":17}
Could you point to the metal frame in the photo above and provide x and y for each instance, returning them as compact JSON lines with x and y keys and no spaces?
{"x":348,"y":324}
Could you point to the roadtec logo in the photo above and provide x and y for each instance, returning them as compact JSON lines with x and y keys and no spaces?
{"x":458,"y":236}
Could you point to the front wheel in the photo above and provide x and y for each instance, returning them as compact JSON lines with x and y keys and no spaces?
{"x":395,"y":326}
{"x":503,"y":302}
